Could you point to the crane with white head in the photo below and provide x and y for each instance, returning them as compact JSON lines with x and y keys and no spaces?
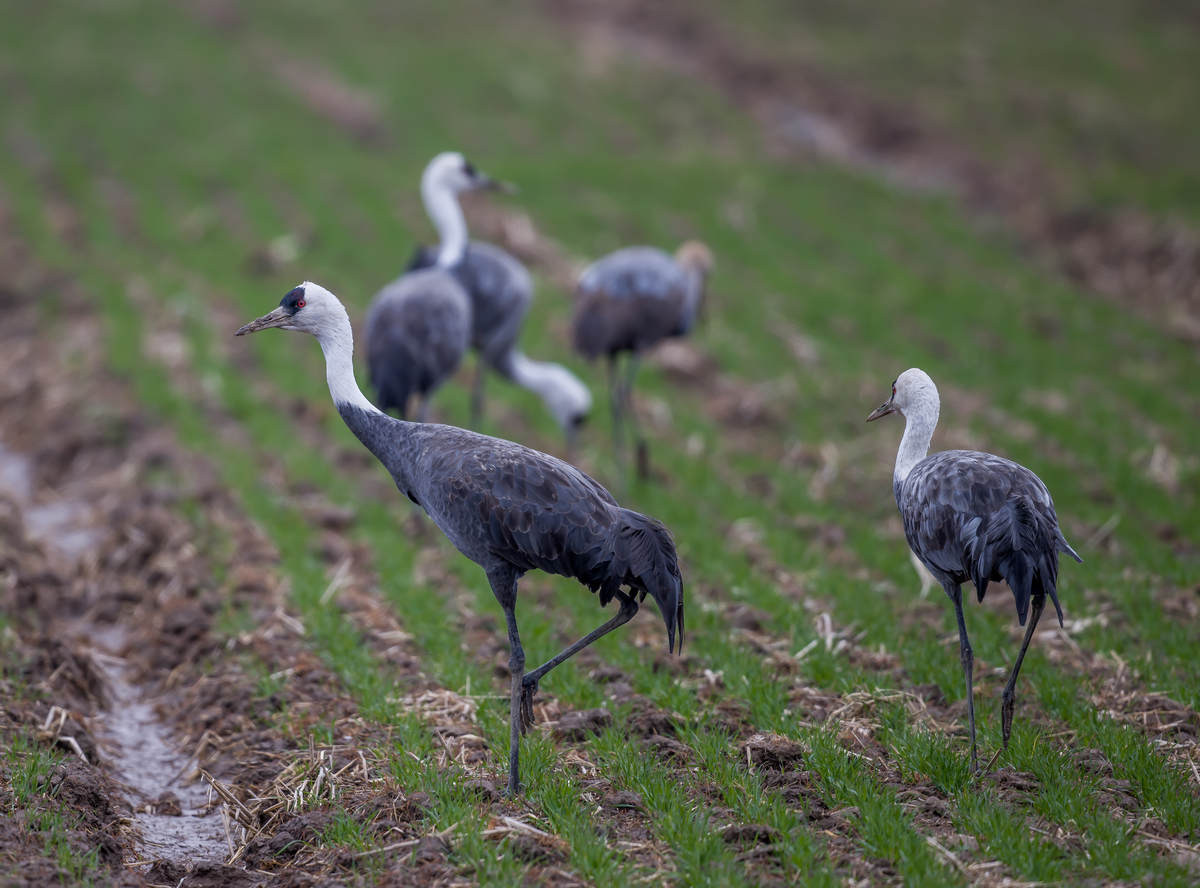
{"x":501,"y":291}
{"x":506,"y":507}
{"x":974,"y":516}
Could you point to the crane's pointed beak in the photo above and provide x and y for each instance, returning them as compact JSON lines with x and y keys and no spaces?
{"x":276,"y":318}
{"x":487,"y":183}
{"x":881,"y":410}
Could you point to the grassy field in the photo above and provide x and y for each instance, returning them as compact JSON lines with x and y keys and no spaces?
{"x":154,"y":153}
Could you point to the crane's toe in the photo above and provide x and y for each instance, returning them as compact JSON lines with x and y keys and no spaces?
{"x":529,"y":688}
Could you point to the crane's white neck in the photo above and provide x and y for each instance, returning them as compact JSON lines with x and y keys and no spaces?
{"x":539,"y":377}
{"x":566,"y":397}
{"x":920,"y":419}
{"x":337,"y":342}
{"x":441,"y":203}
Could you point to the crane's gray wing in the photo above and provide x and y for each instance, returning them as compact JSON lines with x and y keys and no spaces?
{"x":977,"y":516}
{"x":501,"y":292}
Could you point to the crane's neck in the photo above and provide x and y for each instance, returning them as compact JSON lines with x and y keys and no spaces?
{"x":693,"y":296}
{"x":338,"y":345}
{"x":537,"y":376}
{"x":441,"y":203}
{"x":920,"y":419}
{"x":385,"y":437}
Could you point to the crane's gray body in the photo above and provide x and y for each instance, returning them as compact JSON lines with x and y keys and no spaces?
{"x":633,"y":298}
{"x":500,"y":291}
{"x":513,"y":509}
{"x":417,"y":330}
{"x":976,"y":516}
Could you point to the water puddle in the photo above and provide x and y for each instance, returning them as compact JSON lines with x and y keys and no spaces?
{"x":174,"y":818}
{"x":63,"y":525}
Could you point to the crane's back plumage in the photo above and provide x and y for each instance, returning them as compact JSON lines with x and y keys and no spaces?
{"x":630,"y":300}
{"x":976,"y":516}
{"x":500,"y":290}
{"x":417,"y":330}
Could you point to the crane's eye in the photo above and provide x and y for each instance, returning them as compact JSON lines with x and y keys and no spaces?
{"x":469,"y":168}
{"x":299,"y":303}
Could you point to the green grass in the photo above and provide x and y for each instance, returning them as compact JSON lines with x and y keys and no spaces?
{"x":1099,"y":91}
{"x":219,"y":158}
{"x":26,"y":766}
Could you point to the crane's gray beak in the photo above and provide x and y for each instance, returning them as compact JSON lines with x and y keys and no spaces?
{"x":487,"y":183}
{"x":276,"y":318}
{"x":881,"y":410}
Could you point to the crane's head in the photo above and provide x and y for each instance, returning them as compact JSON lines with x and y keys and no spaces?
{"x":452,"y":172}
{"x":912,"y":388}
{"x":694,"y":254}
{"x":309,"y":308}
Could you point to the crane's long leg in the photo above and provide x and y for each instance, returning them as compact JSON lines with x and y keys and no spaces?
{"x":423,"y":408}
{"x":968,"y":664}
{"x":477,"y":392}
{"x":639,"y":443}
{"x":1006,"y":706}
{"x":616,"y":404}
{"x":504,"y":587}
{"x":629,"y":607}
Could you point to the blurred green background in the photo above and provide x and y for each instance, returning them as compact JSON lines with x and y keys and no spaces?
{"x":1005,"y":195}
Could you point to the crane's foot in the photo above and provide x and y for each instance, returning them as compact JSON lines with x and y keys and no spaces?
{"x":528,"y":689}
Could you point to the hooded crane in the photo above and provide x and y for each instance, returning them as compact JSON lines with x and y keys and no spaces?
{"x":627,"y":302}
{"x":974,"y":516}
{"x":508,"y":508}
{"x":501,"y":291}
{"x":419,"y":325}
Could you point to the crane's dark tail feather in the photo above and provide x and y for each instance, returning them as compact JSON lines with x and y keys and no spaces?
{"x":1019,"y":545}
{"x":644,"y":557}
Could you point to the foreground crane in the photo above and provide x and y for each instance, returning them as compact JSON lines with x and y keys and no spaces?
{"x":508,"y":508}
{"x":974,"y":516}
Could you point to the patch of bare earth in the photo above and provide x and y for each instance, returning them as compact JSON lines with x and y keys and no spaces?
{"x":1149,"y":266}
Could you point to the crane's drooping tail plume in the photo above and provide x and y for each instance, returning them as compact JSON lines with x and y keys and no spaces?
{"x":642,"y":557}
{"x":1018,"y":544}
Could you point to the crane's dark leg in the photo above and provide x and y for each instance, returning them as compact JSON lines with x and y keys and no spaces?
{"x":504,"y":587}
{"x":1006,"y":706}
{"x":629,"y":607}
{"x":615,"y":403}
{"x":639,"y":443}
{"x":423,"y":409}
{"x":477,"y":392}
{"x":968,"y":664}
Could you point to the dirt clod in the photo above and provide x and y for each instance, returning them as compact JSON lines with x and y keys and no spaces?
{"x":579,"y":724}
{"x":773,"y":752}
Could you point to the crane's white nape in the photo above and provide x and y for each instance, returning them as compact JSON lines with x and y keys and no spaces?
{"x":915,"y":397}
{"x":445,"y":177}
{"x":565,"y":396}
{"x":310,"y":308}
